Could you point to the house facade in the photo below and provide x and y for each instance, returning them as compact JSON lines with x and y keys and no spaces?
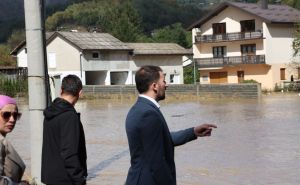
{"x":101,"y":59}
{"x":243,"y":41}
{"x":168,"y":56}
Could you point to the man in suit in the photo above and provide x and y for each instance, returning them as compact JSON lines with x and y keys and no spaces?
{"x":64,"y":152}
{"x":150,"y":142}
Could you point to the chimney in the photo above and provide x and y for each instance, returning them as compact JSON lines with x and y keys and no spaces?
{"x":264,"y":4}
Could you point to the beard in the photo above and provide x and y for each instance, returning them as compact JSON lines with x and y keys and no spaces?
{"x":161,"y":96}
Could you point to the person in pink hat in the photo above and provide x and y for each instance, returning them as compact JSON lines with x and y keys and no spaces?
{"x":11,"y":165}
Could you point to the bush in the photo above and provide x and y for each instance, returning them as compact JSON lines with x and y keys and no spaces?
{"x":249,"y":81}
{"x":292,"y":86}
{"x":188,"y":74}
{"x":11,"y":87}
{"x":277,"y":88}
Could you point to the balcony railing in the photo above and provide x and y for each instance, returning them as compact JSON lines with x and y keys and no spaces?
{"x":221,"y":62}
{"x":229,"y":37}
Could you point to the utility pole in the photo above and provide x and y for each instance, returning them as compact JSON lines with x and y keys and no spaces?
{"x":38,"y":81}
{"x":194,"y":62}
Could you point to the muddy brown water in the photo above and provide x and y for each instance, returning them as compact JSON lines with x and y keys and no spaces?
{"x":257,"y":142}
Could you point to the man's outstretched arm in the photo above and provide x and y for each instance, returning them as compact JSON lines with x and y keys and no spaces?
{"x":183,"y":136}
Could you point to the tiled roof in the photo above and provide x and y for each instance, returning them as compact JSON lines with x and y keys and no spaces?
{"x":105,"y":41}
{"x":49,"y":34}
{"x":23,"y":43}
{"x":93,"y":41}
{"x":273,"y":14}
{"x":158,"y":49}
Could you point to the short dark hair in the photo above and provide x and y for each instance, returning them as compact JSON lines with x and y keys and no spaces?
{"x":145,"y":76}
{"x":71,"y":84}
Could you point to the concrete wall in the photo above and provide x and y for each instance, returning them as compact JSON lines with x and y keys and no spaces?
{"x":119,"y":62}
{"x":108,"y":60}
{"x":202,"y":91}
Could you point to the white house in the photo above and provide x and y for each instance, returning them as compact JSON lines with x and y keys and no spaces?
{"x":243,"y":41}
{"x":166,"y":55}
{"x":101,"y":59}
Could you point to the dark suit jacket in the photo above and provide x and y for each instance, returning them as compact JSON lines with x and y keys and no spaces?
{"x":152,"y":145}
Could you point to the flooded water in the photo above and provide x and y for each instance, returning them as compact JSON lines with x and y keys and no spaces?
{"x":257,"y":142}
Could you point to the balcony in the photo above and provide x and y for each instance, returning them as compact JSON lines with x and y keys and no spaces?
{"x":225,"y":61}
{"x":228,"y":37}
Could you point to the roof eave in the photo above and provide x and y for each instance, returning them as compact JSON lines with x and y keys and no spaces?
{"x":279,"y":22}
{"x":214,"y":13}
{"x":57,"y":34}
{"x":15,"y":51}
{"x":162,"y":54}
{"x":129,"y":49}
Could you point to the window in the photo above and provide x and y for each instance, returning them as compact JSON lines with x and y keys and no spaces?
{"x":240,"y":75}
{"x":219,"y":28}
{"x":248,"y":49}
{"x":171,"y":78}
{"x":52,"y":60}
{"x":219,"y":52}
{"x":205,"y":78}
{"x":95,"y":55}
{"x":282,"y":73}
{"x":247,"y":25}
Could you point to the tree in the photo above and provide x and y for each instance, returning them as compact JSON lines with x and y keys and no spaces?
{"x":123,"y":21}
{"x":188,"y":74}
{"x":118,"y":17}
{"x":5,"y":58}
{"x":296,"y":41}
{"x":292,"y":3}
{"x":173,"y":33}
{"x":159,"y":13}
{"x":15,"y":38}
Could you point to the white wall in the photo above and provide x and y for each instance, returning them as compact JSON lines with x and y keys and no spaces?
{"x":170,"y":64}
{"x":64,"y":73}
{"x":233,"y":48}
{"x":22,"y":58}
{"x":67,"y":56}
{"x":278,"y":43}
{"x":109,"y":60}
{"x":232,"y":21}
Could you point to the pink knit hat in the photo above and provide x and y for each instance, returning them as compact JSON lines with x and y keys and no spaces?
{"x":4,"y":100}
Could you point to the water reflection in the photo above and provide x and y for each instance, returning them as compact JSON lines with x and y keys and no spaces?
{"x":257,"y":141}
